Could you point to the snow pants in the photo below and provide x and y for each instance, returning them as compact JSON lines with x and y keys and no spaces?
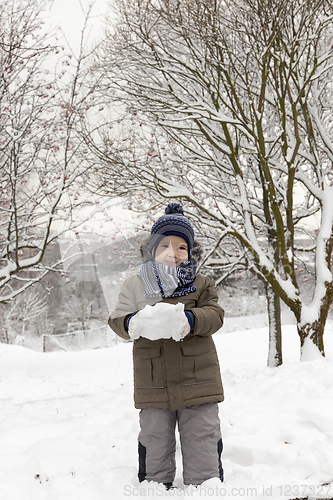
{"x":200,"y":439}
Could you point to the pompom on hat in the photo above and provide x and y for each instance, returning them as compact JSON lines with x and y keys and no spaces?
{"x":172,"y":223}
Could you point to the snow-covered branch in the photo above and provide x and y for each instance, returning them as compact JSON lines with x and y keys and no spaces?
{"x":42,"y":159}
{"x":229,"y":110}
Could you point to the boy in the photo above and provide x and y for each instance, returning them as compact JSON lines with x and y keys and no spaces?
{"x":171,"y":313}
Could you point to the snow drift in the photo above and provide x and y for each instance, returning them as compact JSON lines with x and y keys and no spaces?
{"x":68,"y":427}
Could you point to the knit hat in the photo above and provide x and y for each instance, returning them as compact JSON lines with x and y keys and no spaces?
{"x":173,"y":223}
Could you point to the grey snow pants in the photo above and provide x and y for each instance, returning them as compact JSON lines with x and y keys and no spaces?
{"x":200,"y":439}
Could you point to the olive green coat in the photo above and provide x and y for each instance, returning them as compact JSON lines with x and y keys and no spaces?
{"x":170,"y":374}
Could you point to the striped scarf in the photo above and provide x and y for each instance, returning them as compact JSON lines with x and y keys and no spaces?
{"x":164,"y":281}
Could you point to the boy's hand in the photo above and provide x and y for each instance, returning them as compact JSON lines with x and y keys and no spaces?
{"x":161,"y":321}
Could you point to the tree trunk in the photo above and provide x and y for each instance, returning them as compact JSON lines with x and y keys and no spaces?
{"x":274,"y":321}
{"x":4,"y":339}
{"x":312,"y":340}
{"x":311,"y":334}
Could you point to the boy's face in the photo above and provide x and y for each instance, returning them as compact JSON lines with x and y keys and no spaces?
{"x":171,"y":251}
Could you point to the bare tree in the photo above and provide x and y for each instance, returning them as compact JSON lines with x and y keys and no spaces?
{"x":79,"y":308}
{"x":230,"y":108}
{"x":7,"y":313}
{"x":42,"y":99}
{"x":31,"y":305}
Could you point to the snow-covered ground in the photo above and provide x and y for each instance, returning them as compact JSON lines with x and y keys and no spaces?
{"x":68,"y":427}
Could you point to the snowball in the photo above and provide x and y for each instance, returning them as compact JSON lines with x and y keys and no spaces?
{"x":161,"y":321}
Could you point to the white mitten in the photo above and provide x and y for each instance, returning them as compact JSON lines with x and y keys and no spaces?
{"x":135,"y":326}
{"x":183,"y":330}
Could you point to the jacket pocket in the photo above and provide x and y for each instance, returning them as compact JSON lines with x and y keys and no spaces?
{"x":197,"y":363}
{"x":148,"y":368}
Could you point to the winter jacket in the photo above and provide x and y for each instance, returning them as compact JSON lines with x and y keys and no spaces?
{"x":170,"y":374}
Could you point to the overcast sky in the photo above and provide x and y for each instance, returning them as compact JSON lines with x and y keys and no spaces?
{"x":68,"y":15}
